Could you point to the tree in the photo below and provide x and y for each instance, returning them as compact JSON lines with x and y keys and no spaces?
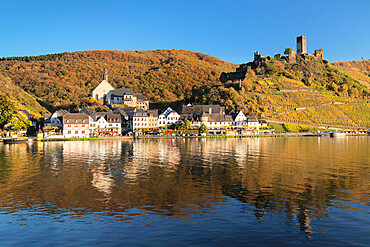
{"x":93,"y":101}
{"x":18,"y":122}
{"x":7,"y":111}
{"x":186,"y":124}
{"x":202,"y":129}
{"x":100,"y":101}
{"x":287,"y":51}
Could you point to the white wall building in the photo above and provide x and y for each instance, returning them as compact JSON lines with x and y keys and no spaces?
{"x":140,"y":120}
{"x":101,"y":91}
{"x":76,"y":125}
{"x":168,"y":117}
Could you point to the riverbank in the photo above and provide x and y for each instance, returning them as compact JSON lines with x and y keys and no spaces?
{"x":189,"y":137}
{"x":233,"y":136}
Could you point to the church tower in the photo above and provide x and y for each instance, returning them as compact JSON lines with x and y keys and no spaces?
{"x":105,"y":77}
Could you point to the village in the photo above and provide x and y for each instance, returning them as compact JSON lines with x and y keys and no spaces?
{"x":128,"y":114}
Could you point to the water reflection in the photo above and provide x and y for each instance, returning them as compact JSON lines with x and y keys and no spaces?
{"x":302,"y":179}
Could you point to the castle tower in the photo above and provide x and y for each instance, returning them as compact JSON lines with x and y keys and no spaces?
{"x":301,"y":45}
{"x":105,"y":76}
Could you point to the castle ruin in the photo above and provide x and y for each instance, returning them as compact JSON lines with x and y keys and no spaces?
{"x":301,"y":45}
{"x":240,"y":72}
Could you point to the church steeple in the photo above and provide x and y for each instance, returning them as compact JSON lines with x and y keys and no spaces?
{"x":105,"y":77}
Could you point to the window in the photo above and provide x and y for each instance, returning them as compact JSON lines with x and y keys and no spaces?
{"x":76,"y":121}
{"x":76,"y":132}
{"x":69,"y":132}
{"x":83,"y":132}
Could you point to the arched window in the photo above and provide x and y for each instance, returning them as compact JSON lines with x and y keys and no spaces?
{"x":97,"y":97}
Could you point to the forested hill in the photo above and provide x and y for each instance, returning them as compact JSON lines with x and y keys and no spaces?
{"x":307,"y":91}
{"x":67,"y":79}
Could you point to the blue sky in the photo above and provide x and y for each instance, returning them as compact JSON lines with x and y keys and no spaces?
{"x":230,"y":30}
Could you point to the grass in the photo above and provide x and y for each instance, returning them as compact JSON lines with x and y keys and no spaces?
{"x":70,"y":139}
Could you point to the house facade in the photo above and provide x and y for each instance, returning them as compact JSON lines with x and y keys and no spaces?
{"x":152,"y":119}
{"x":55,"y":119}
{"x":76,"y":125}
{"x":140,"y":120}
{"x":168,"y":117}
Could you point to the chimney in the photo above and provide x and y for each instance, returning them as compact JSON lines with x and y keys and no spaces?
{"x":210,"y":110}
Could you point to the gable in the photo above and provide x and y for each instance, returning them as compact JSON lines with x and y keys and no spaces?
{"x":104,"y":86}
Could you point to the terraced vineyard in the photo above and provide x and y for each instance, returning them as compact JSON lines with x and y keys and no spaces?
{"x":318,"y":108}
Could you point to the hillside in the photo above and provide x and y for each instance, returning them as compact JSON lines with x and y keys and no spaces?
{"x":309,"y":91}
{"x":12,"y":100}
{"x":67,"y":79}
{"x":18,"y":98}
{"x":357,"y":70}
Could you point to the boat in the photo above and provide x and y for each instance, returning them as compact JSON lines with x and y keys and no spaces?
{"x":20,"y":139}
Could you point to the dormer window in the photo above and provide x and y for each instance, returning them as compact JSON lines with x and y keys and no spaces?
{"x":76,"y":121}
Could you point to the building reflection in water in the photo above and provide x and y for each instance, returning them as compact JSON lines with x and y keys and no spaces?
{"x":298,"y":177}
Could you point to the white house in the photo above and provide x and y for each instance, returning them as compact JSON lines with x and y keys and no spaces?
{"x":55,"y":119}
{"x":140,"y":120}
{"x":240,"y":120}
{"x":168,"y":117}
{"x":76,"y":125}
{"x":253,"y":122}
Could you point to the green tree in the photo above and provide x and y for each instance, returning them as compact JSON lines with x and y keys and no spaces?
{"x":287,"y":51}
{"x":202,"y":129}
{"x":7,"y":111}
{"x":186,"y":124}
{"x":18,"y":122}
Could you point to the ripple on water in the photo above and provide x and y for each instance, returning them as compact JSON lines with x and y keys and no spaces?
{"x":288,"y":190}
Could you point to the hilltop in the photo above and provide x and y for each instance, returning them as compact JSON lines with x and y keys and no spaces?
{"x":67,"y":79}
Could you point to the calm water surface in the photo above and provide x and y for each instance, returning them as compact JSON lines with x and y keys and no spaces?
{"x":213,"y":192}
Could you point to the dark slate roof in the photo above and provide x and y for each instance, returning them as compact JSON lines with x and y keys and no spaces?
{"x":262,"y":121}
{"x":218,"y":117}
{"x":129,"y":109}
{"x":153,"y":113}
{"x":87,"y":110}
{"x":119,"y":110}
{"x":141,"y":113}
{"x":140,"y":97}
{"x":107,"y":110}
{"x":73,"y":118}
{"x":122,"y":91}
{"x":252,"y":119}
{"x":198,"y":109}
{"x":113,"y":118}
{"x":61,"y":112}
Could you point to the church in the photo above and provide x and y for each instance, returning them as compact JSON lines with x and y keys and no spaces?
{"x":121,"y":96}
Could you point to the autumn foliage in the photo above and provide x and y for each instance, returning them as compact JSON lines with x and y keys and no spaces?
{"x":67,"y":79}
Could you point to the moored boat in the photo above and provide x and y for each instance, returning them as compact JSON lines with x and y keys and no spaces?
{"x":22,"y":139}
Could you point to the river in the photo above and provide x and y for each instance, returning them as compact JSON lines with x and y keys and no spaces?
{"x":215,"y":192}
